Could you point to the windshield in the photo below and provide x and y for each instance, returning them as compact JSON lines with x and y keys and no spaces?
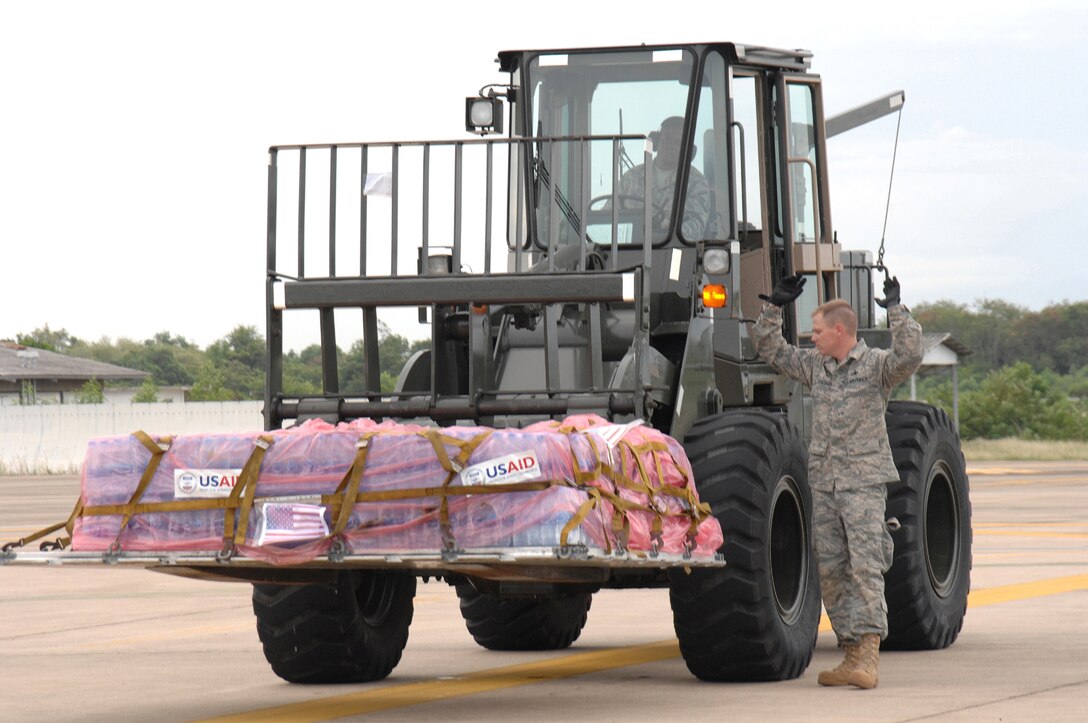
{"x":611,"y":93}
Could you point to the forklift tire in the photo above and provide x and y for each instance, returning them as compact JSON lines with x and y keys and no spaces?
{"x":523,"y":624}
{"x":351,"y":632}
{"x":926,"y":588}
{"x":755,"y":619}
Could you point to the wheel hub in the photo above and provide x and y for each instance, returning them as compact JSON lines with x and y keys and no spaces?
{"x":941,"y":529}
{"x":789,"y":539}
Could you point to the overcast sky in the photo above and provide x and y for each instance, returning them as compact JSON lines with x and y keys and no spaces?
{"x":132,"y":182}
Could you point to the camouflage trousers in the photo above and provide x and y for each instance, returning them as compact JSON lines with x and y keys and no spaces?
{"x":853,"y":551}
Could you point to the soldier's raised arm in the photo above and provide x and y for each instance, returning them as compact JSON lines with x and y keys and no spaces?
{"x":907,"y":345}
{"x":771,"y":346}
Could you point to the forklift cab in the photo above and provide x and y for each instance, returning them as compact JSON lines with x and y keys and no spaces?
{"x":726,"y":140}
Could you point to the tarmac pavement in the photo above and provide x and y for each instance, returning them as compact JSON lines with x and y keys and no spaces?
{"x":119,"y":644}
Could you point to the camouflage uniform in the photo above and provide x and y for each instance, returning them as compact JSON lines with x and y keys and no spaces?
{"x":696,"y":205}
{"x":850,"y":462}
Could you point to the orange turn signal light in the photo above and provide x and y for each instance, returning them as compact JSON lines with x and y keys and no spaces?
{"x":714,"y":296}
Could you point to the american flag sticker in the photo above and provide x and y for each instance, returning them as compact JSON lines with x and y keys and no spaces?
{"x":291,"y":522}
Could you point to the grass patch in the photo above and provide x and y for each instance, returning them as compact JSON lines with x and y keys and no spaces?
{"x":1013,"y":450}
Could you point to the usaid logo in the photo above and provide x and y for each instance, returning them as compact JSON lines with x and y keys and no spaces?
{"x":516,"y":467}
{"x":204,"y":482}
{"x":186,"y":482}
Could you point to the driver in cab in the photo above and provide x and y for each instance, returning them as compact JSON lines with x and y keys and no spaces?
{"x":667,"y":149}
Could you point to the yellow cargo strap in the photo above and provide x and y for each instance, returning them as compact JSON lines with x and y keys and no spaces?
{"x":413,"y":493}
{"x":695,"y":511}
{"x":241,"y":497}
{"x":349,"y":485}
{"x":593,"y":500}
{"x":157,"y":450}
{"x":453,"y":468}
{"x":61,"y":542}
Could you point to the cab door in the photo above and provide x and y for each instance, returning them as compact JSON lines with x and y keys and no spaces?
{"x":804,"y":213}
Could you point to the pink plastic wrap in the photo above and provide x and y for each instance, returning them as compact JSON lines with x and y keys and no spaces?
{"x":610,"y":475}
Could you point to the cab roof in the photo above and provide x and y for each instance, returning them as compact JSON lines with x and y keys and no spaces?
{"x":797,"y":60}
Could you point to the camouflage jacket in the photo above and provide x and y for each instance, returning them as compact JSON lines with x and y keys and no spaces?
{"x":696,"y":205}
{"x":849,"y":446}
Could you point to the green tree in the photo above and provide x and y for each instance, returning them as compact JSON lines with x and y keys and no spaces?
{"x":28,"y":393}
{"x":240,"y":359}
{"x":91,"y":393}
{"x":47,"y":339}
{"x":209,"y":387}
{"x":171,"y":360}
{"x":1074,"y":384}
{"x":302,"y":371}
{"x":1001,"y":334}
{"x":393,"y":352}
{"x":1018,"y":402}
{"x":1055,"y":338}
{"x":148,"y":393}
{"x":103,"y":350}
{"x":987,"y":329}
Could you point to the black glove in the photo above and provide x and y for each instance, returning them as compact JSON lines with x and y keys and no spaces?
{"x":785,"y":290}
{"x":891,"y":293}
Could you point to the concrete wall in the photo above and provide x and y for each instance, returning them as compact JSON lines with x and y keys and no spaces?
{"x":52,"y":438}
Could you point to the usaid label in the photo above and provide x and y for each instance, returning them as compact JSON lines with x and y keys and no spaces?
{"x":516,"y":467}
{"x":204,"y":482}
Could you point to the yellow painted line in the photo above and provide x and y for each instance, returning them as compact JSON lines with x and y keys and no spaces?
{"x":1021,"y":554}
{"x":397,"y":696}
{"x":984,"y":471}
{"x":1063,"y":523}
{"x":567,"y":666}
{"x":1027,"y":590}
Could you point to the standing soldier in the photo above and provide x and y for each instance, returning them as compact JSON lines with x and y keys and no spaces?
{"x":850,"y":459}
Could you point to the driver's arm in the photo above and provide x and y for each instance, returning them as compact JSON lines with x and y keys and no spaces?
{"x":696,"y":206}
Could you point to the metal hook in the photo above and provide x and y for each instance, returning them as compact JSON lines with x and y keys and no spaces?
{"x":226,"y":553}
{"x":879,"y":266}
{"x":56,"y":544}
{"x":111,"y":555}
{"x":338,"y":550}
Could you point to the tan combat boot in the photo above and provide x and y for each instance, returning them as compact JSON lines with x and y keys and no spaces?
{"x":865,"y":674}
{"x":840,"y":675}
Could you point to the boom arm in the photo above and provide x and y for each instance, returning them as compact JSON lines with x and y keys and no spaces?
{"x":864,"y":113}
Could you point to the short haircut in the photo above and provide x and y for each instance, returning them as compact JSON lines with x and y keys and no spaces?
{"x":839,"y":311}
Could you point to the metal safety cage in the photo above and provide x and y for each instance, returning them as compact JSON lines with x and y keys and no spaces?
{"x":554,"y":272}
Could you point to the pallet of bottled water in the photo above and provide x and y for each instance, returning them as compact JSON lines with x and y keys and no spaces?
{"x":362,"y":488}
